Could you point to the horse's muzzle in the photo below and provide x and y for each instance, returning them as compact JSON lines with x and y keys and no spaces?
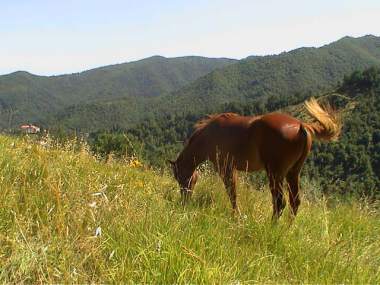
{"x":186,"y":195}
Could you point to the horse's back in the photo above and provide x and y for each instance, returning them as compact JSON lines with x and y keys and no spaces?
{"x":227,"y":136}
{"x":273,"y":139}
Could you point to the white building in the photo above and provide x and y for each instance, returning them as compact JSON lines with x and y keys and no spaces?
{"x":30,"y":129}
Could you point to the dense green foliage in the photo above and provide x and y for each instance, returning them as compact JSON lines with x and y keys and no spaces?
{"x":353,"y":163}
{"x":67,"y":218}
{"x":29,"y":98}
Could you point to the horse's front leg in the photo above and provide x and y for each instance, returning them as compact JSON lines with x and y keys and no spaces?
{"x":186,"y":192}
{"x":230,"y":182}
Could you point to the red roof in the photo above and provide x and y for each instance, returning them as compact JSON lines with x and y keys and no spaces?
{"x":28,"y":126}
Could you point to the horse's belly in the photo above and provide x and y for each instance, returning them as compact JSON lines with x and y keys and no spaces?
{"x":250,"y":162}
{"x":250,"y":166}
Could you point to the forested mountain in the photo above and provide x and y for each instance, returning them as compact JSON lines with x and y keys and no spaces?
{"x":304,"y":70}
{"x":250,"y":81}
{"x":25,"y":97}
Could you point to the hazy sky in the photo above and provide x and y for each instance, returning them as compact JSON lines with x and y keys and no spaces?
{"x":53,"y":37}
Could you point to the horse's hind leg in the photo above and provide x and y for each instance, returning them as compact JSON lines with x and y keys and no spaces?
{"x":278,"y":200}
{"x":293,"y":175}
{"x":293,"y":180}
{"x":230,"y":182}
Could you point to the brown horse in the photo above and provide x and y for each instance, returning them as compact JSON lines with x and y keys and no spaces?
{"x":275,"y":142}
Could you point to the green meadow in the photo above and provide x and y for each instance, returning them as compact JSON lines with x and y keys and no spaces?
{"x":67,"y":217}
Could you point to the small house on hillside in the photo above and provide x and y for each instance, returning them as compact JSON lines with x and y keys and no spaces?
{"x":30,"y":129}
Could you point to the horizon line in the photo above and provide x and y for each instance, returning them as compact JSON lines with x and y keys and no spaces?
{"x":178,"y":57}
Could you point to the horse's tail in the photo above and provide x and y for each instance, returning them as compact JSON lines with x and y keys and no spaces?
{"x":328,"y":124}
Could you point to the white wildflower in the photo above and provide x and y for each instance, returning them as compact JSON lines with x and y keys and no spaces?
{"x":98,"y":231}
{"x":111,"y":255}
{"x":158,"y":246}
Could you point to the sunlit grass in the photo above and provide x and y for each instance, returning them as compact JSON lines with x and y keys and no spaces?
{"x":67,"y":218}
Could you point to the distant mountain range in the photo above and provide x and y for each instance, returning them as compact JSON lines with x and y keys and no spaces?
{"x":126,"y":94}
{"x":304,"y":70}
{"x":25,"y":97}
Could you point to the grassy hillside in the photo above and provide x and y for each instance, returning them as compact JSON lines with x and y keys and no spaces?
{"x":26,"y":97}
{"x":250,"y":81}
{"x":67,"y":218}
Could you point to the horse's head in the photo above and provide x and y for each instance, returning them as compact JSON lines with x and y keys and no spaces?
{"x":185,"y":178}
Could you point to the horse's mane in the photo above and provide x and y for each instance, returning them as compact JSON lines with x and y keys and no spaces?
{"x":203,"y":123}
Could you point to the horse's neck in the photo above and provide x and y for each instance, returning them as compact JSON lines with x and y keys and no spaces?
{"x":191,"y":157}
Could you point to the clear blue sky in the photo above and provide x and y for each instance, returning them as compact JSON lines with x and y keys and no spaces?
{"x":54,"y":37}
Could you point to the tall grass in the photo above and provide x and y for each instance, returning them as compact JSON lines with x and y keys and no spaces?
{"x":65,"y":217}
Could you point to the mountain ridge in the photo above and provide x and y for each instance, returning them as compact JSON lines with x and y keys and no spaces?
{"x":153,"y":57}
{"x":249,"y":81}
{"x":184,"y":84}
{"x":33,"y":98}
